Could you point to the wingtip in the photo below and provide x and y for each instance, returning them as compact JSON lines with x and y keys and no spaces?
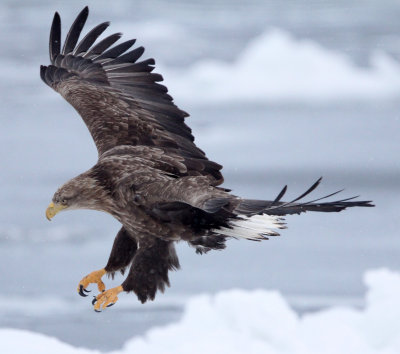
{"x":55,"y":37}
{"x":56,"y":19}
{"x":85,"y":11}
{"x":284,"y":190}
{"x":279,"y":196}
{"x":75,"y":31}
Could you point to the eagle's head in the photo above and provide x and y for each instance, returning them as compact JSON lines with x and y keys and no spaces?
{"x":82,"y":192}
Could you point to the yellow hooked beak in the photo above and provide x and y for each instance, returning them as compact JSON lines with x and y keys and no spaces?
{"x":53,"y":209}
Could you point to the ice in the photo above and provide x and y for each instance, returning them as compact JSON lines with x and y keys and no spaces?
{"x":277,"y":67}
{"x":258,"y":321}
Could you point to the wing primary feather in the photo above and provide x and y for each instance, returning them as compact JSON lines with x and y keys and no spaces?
{"x":344,"y":200}
{"x":75,"y":31}
{"x":279,"y":197}
{"x":308,"y":191}
{"x":103,"y":45}
{"x":130,"y":57}
{"x":55,"y":37}
{"x":347,"y":199}
{"x":116,"y":51}
{"x":105,"y":70}
{"x":141,"y":67}
{"x":90,"y":38}
{"x":327,"y":196}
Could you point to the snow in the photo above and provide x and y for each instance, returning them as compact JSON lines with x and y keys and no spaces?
{"x":259,"y":321}
{"x":277,"y":67}
{"x":24,"y":342}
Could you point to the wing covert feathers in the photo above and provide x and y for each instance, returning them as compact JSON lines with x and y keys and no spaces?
{"x":117,"y":94}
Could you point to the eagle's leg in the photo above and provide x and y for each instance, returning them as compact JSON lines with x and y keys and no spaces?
{"x":122,"y":253}
{"x":106,"y":298}
{"x":203,"y":244}
{"x":149,"y":269}
{"x":148,"y":273}
{"x":95,"y":278}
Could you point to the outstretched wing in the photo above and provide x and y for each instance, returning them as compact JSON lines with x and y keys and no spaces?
{"x":214,"y":199}
{"x":119,"y":98}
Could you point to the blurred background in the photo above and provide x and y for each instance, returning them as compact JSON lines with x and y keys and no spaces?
{"x":279,"y":92}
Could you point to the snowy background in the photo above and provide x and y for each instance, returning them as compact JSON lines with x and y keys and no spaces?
{"x":279,"y":92}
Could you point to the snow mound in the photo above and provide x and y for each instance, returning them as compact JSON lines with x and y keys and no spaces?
{"x":259,"y":321}
{"x":24,"y":342}
{"x":276,"y":67}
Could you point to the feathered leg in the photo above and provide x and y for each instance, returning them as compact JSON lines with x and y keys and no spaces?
{"x":122,"y":253}
{"x":148,"y":273}
{"x":149,"y":269}
{"x":203,"y":244}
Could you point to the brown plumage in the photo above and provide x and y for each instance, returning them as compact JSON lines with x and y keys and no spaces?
{"x":150,"y":175}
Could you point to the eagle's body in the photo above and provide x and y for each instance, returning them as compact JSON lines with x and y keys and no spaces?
{"x":150,"y":175}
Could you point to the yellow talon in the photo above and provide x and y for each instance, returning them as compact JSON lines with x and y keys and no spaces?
{"x":106,"y":298}
{"x":92,"y":278}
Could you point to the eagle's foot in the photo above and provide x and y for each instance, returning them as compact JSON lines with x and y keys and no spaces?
{"x":92,"y":278}
{"x":106,"y":298}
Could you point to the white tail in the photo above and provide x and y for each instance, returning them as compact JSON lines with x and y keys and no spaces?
{"x":256,"y":227}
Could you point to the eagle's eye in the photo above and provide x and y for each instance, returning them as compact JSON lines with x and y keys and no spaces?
{"x":64,"y":201}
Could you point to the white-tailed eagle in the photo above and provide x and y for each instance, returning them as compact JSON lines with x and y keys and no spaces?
{"x":150,"y":175}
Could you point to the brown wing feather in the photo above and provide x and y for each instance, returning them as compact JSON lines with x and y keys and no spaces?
{"x":119,"y":98}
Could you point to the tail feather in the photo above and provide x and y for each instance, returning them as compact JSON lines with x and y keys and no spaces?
{"x":254,"y":228}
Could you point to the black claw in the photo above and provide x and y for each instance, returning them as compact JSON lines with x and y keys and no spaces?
{"x":109,"y":305}
{"x":87,"y":291}
{"x":97,"y":310}
{"x":94,"y":300}
{"x":81,"y":293}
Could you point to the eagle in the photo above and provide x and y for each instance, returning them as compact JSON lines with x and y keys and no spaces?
{"x":150,"y":175}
